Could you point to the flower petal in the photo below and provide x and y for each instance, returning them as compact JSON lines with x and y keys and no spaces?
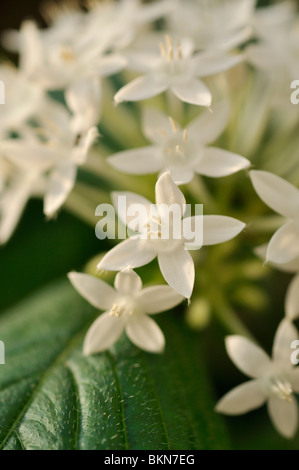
{"x":127,"y":282}
{"x":292,"y":299}
{"x":278,"y":194}
{"x":102,"y":334}
{"x":110,"y":64}
{"x":284,"y":416}
{"x":193,"y":92}
{"x":211,"y":63}
{"x":168,"y":193}
{"x":61,"y":183}
{"x":133,"y":252}
{"x":140,"y":161}
{"x":219,"y":229}
{"x":181,"y":175}
{"x":140,"y":89}
{"x":247,"y":356}
{"x":145,"y":334}
{"x":244,"y":398}
{"x":218,"y":162}
{"x":99,"y":294}
{"x":285,"y":335}
{"x":125,"y":201}
{"x":209,"y":125}
{"x":177,"y":268}
{"x":156,"y":299}
{"x":284,"y":245}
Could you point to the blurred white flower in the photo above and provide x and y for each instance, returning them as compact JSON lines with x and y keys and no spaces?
{"x":127,"y":308}
{"x":53,"y":150}
{"x":16,"y":188}
{"x":177,"y":68}
{"x":283,"y":198}
{"x":213,"y":24}
{"x":182,"y":152}
{"x":175,"y":262}
{"x":57,"y":61}
{"x":273,"y":381}
{"x":277,"y":51}
{"x":22,"y":99}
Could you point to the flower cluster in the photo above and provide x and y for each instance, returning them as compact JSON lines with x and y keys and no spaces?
{"x":60,"y":101}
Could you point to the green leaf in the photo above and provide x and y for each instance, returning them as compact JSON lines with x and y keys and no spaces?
{"x":51,"y":397}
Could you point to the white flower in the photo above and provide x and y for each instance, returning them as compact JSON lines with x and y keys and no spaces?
{"x":57,"y":60}
{"x":277,"y":51}
{"x":283,"y":198}
{"x":182,"y":152}
{"x":175,"y":262}
{"x":57,"y":154}
{"x":176,"y":68}
{"x":22,"y":99}
{"x":215,"y":24}
{"x":273,"y":381}
{"x":127,"y":308}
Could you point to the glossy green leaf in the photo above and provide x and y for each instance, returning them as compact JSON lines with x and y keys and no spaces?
{"x":51,"y":397}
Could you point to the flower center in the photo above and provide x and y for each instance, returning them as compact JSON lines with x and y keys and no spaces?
{"x":281,"y":388}
{"x":174,"y":65}
{"x":67,"y":54}
{"x":124,"y":307}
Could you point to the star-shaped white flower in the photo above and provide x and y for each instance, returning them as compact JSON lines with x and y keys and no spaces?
{"x":273,"y":381}
{"x":127,"y":308}
{"x":57,"y":154}
{"x":283,"y":198}
{"x":176,"y":68}
{"x":181,"y":151}
{"x":175,"y":262}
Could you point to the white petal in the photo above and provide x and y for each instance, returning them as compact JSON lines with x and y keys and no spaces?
{"x":80,"y":152}
{"x":292,"y":299}
{"x":293,"y":377}
{"x":99,"y":294}
{"x":285,"y":335}
{"x":156,"y":299}
{"x":219,"y":229}
{"x":84,"y":100}
{"x":284,"y":245}
{"x":177,"y":268}
{"x":110,"y":64}
{"x":61,"y":183}
{"x":262,"y":56}
{"x":193,"y":92}
{"x":244,"y":398}
{"x":168,"y":193}
{"x":278,"y":194}
{"x":218,"y":162}
{"x":181,"y":175}
{"x":127,"y":282}
{"x":140,"y":89}
{"x":29,"y":156}
{"x":209,"y":125}
{"x":102,"y":334}
{"x":133,"y":252}
{"x":145,"y":334}
{"x":193,"y":232}
{"x":140,"y":161}
{"x":123,"y":206}
{"x":156,"y":126}
{"x":284,"y":416}
{"x":210,"y":64}
{"x":247,"y":356}
{"x":12,"y":204}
